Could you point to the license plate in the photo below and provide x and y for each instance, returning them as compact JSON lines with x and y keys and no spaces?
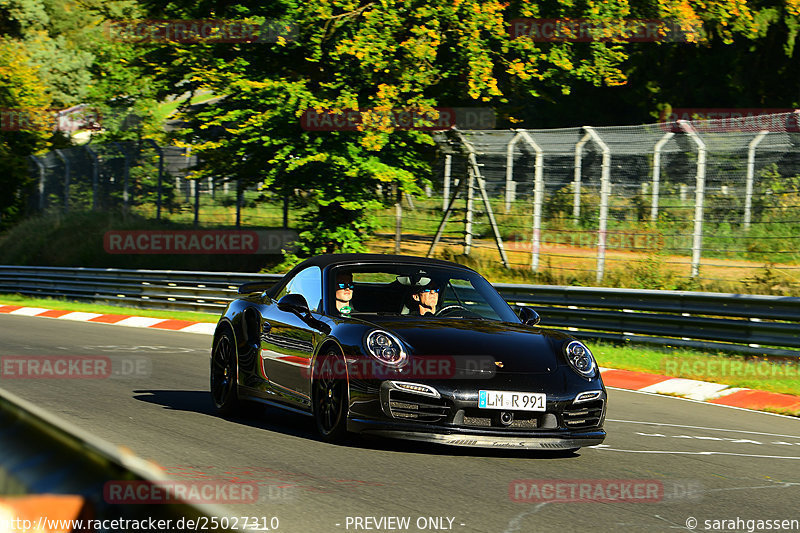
{"x":512,"y":401}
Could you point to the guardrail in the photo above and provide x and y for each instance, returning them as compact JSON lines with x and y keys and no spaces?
{"x":43,"y":454}
{"x":207,"y":292}
{"x":756,"y":324}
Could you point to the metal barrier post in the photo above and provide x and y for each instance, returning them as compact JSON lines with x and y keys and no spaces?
{"x":95,"y":174}
{"x":65,"y":160}
{"x":196,"y":185}
{"x":448,"y":162}
{"x":468,"y":214}
{"x":398,"y":218}
{"x":605,"y":193}
{"x":699,"y":195}
{"x":576,"y":182}
{"x":40,"y":166}
{"x":160,"y":152}
{"x":538,"y":199}
{"x":239,"y":198}
{"x":126,"y":173}
{"x":657,"y":172}
{"x":510,"y":169}
{"x":751,"y":168}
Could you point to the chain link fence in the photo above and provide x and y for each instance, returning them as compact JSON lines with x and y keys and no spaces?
{"x":151,"y":180}
{"x":681,"y":205}
{"x":677,"y":205}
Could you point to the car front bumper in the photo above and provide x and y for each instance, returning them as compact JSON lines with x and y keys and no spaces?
{"x":449,"y":414}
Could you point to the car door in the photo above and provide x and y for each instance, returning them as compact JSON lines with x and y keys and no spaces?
{"x":288,"y":339}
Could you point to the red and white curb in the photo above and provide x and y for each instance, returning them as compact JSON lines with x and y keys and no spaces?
{"x":703,"y":391}
{"x":186,"y":326}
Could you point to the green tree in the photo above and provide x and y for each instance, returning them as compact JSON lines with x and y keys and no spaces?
{"x":364,"y":55}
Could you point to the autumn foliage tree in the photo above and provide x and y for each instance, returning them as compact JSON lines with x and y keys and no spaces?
{"x":405,"y":54}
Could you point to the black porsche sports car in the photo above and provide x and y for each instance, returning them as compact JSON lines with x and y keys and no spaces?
{"x":406,"y":347}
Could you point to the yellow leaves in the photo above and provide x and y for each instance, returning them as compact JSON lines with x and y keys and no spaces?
{"x":523,"y":71}
{"x":21,"y":84}
{"x":387,"y":92}
{"x":793,"y":7}
{"x":373,"y":140}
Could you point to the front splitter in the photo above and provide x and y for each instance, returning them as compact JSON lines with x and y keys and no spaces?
{"x":480,"y":441}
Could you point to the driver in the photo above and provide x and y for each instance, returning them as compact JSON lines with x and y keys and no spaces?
{"x":427,"y":298}
{"x":344,"y":293}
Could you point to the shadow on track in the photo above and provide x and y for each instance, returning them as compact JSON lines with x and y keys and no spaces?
{"x":279,"y":421}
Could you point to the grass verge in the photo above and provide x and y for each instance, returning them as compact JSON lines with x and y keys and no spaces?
{"x":735,"y":370}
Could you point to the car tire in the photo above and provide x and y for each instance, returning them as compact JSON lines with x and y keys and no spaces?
{"x":329,"y":396}
{"x":223,"y":385}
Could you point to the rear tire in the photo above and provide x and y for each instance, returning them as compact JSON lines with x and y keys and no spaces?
{"x":223,"y":382}
{"x":329,"y":396}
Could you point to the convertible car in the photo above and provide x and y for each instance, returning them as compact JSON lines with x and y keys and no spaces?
{"x":406,"y":347}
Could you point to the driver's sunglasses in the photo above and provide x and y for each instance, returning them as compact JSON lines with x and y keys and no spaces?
{"x":350,"y":286}
{"x":430,"y":290}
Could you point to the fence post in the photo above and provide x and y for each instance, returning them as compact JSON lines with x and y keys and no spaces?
{"x":239,"y":197}
{"x":538,"y":200}
{"x":196,"y":184}
{"x":160,"y":152}
{"x":468,"y":214}
{"x":398,"y":218}
{"x":126,"y":173}
{"x":510,"y":169}
{"x":576,"y":182}
{"x":450,"y":202}
{"x":475,"y":174}
{"x":448,"y":163}
{"x":657,"y":172}
{"x":65,"y":160}
{"x":699,"y":195}
{"x":95,"y":173}
{"x":751,"y":170}
{"x":286,"y":209}
{"x":605,"y":193}
{"x":40,"y":166}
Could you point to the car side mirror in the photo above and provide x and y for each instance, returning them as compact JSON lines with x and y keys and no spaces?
{"x":293,"y":303}
{"x":255,"y":286}
{"x":528,"y":316}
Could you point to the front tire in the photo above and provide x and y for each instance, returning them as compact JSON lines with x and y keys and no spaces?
{"x":224,"y":389}
{"x":329,"y":396}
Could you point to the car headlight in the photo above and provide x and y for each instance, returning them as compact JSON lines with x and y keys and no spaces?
{"x":386,"y":348}
{"x":580,"y":359}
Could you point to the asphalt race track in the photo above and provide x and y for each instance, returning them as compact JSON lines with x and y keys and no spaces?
{"x":706,"y":462}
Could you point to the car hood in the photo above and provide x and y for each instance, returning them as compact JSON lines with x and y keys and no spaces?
{"x":517,"y":347}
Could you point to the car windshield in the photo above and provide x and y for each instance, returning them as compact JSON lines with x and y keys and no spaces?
{"x":414,"y":291}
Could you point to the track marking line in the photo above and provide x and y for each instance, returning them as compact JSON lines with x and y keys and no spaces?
{"x":705,"y":403}
{"x":683,"y":426}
